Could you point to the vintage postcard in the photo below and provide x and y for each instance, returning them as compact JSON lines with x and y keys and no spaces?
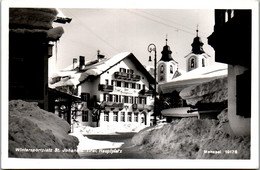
{"x":112,"y":84}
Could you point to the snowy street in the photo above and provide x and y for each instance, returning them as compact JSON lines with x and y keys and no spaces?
{"x":121,"y":147}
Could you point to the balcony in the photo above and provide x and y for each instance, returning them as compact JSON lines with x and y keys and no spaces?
{"x":120,"y":75}
{"x":142,"y":107}
{"x":127,"y":76}
{"x":146,"y":92}
{"x":105,"y":88}
{"x":112,"y":105}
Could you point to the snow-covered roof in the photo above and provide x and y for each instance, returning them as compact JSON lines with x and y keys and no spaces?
{"x":100,"y":67}
{"x":195,"y":76}
{"x":92,"y":69}
{"x":66,"y":82}
{"x":63,"y":74}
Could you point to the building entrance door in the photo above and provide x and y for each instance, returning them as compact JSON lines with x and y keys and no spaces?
{"x":143,"y":118}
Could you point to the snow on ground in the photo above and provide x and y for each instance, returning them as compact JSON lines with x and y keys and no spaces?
{"x":192,"y":138}
{"x":35,"y":133}
{"x":89,"y":144}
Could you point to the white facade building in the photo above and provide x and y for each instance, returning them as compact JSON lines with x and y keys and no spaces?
{"x":118,"y":89}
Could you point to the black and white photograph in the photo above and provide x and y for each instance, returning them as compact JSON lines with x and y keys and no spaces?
{"x":135,"y":85}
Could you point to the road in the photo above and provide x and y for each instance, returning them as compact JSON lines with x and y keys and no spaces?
{"x":126,"y":151}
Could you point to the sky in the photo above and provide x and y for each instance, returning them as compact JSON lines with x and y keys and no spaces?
{"x":116,"y":30}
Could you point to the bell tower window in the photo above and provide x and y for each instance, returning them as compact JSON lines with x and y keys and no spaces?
{"x":171,"y":69}
{"x":203,"y":62}
{"x":192,"y":63}
{"x":161,"y":69}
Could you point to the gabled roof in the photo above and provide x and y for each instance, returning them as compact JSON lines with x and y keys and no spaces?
{"x":98,"y":68}
{"x":105,"y":64}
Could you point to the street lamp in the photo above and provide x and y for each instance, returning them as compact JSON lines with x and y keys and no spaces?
{"x":151,"y":48}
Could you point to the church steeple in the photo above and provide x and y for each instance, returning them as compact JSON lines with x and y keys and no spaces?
{"x":166,"y":53}
{"x":166,"y":66}
{"x":197,"y":58}
{"x":197,"y":44}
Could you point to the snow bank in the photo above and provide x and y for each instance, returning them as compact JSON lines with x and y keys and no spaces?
{"x":192,"y":138}
{"x":35,"y":133}
{"x":208,"y":92}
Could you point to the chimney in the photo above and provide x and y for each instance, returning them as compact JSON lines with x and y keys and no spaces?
{"x":81,"y":62}
{"x":100,"y":57}
{"x":74,"y":63}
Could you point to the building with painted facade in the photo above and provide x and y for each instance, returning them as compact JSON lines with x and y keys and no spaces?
{"x":114,"y":91}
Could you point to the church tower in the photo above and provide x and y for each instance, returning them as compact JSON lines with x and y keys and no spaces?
{"x":166,"y":66}
{"x":197,"y":58}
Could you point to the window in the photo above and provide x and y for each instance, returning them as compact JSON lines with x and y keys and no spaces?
{"x":123,"y":99}
{"x":85,"y":97}
{"x":106,"y":81}
{"x":112,"y":82}
{"x":106,"y":116}
{"x":136,"y":100}
{"x":122,"y":117}
{"x":130,"y":99}
{"x":203,"y":62}
{"x":118,"y":83}
{"x":123,"y":70}
{"x":143,"y":100}
{"x":129,"y":116}
{"x":161,"y":69}
{"x":140,"y":100}
{"x":192,"y":63}
{"x":126,"y":99}
{"x":136,"y":117}
{"x":126,"y":84}
{"x":171,"y":69}
{"x":106,"y":97}
{"x":138,"y":86}
{"x":130,"y":71}
{"x":116,"y":98}
{"x":115,"y":116}
{"x":84,"y":116}
{"x":143,"y":87}
{"x":119,"y":98}
{"x":110,"y":97}
{"x":133,"y":85}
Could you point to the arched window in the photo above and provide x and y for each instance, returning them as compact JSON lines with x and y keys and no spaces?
{"x":171,"y":69}
{"x":192,"y":63}
{"x":203,"y":62}
{"x":161,"y":69}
